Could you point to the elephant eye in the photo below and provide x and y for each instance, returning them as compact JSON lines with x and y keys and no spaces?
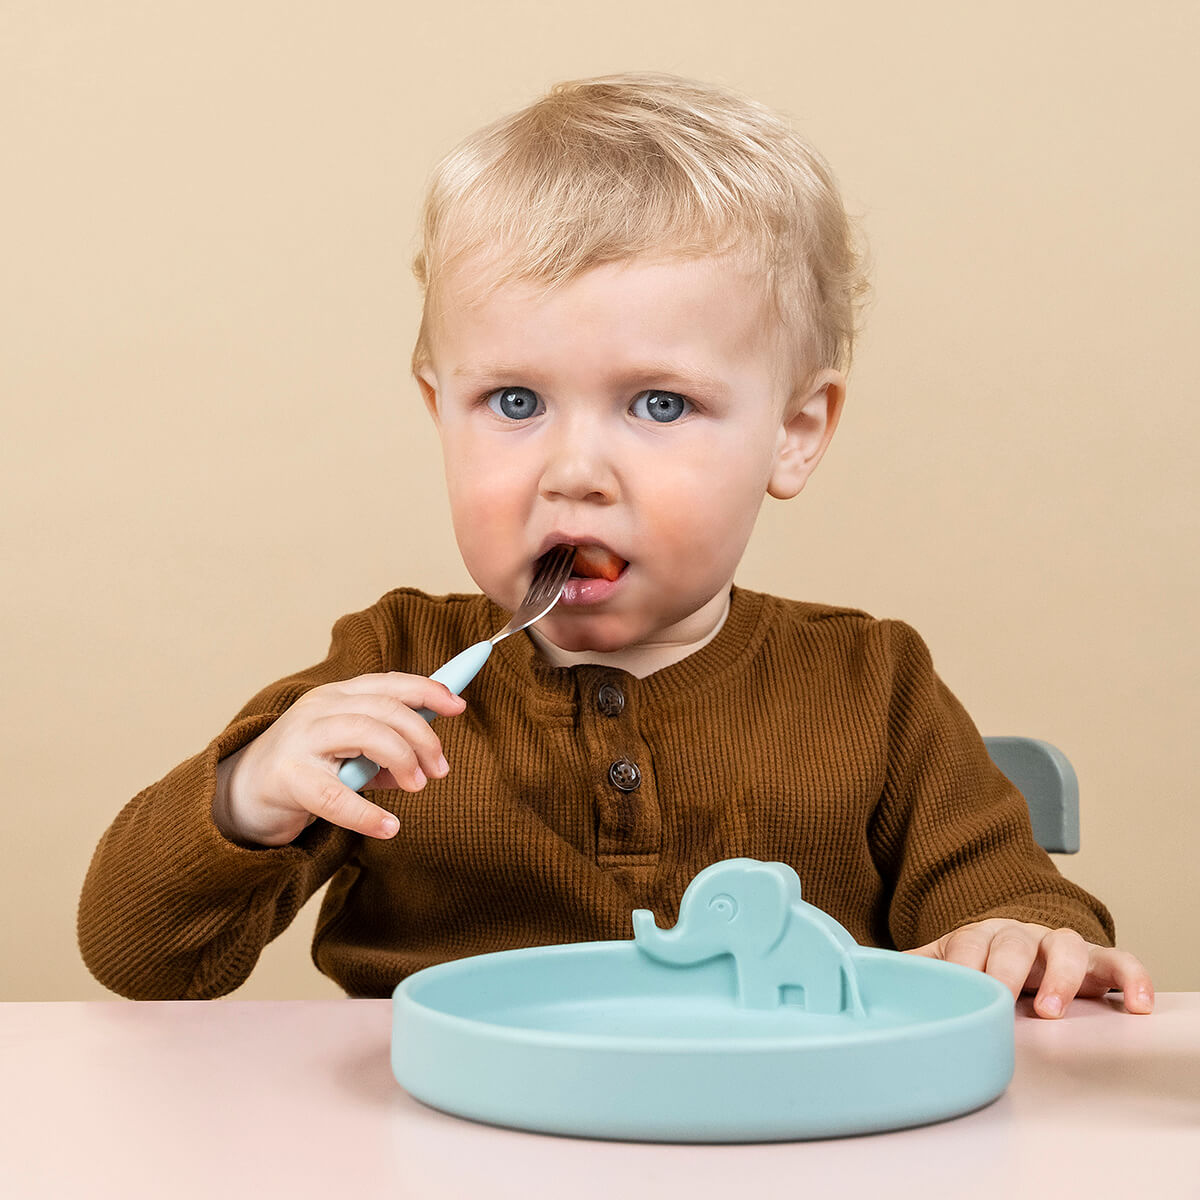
{"x":724,"y":906}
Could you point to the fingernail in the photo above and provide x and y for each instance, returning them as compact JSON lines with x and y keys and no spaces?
{"x":443,"y":767}
{"x":1052,"y":1006}
{"x":419,"y":778}
{"x":390,"y":826}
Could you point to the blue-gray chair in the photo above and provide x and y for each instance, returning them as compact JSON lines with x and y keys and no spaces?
{"x":1044,"y":776}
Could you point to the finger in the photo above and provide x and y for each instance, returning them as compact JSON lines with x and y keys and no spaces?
{"x":1110,"y":968}
{"x":417,"y":691}
{"x":323,"y":796}
{"x":1011,"y":956}
{"x":409,"y":725}
{"x":968,"y":946}
{"x":1065,"y":957}
{"x":347,"y":735}
{"x":929,"y":950}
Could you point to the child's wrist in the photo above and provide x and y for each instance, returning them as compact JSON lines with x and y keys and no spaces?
{"x":228,"y":807}
{"x":221,"y":814}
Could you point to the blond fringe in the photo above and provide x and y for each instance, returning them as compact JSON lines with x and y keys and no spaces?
{"x":624,"y":166}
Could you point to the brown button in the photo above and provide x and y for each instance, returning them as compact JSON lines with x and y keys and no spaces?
{"x":610,"y":699}
{"x":625,"y":775}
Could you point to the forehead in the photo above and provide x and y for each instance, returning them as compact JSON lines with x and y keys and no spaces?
{"x":712,"y":312}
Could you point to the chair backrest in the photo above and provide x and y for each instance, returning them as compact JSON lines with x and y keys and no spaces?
{"x":1044,"y":776}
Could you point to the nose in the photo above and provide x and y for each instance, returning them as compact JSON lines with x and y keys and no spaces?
{"x":579,"y":465}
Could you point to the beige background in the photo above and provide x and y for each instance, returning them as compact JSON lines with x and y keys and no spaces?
{"x":212,"y":448}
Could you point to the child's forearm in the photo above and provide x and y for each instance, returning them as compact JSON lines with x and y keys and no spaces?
{"x":174,"y":906}
{"x":172,"y":910}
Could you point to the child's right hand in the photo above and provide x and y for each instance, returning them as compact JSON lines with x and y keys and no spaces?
{"x":274,"y":787}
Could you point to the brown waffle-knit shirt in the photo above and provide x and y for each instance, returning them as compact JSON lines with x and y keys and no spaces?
{"x":804,"y":734}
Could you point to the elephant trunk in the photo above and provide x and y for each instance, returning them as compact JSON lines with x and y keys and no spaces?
{"x":669,"y":945}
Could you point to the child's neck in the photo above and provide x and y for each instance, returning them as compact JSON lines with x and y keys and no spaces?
{"x":639,"y":660}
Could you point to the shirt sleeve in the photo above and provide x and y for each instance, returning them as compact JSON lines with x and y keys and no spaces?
{"x":172,"y":910}
{"x":952,"y":833}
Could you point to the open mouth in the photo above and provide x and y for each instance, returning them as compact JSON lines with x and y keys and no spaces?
{"x":597,"y":562}
{"x":596,"y":574}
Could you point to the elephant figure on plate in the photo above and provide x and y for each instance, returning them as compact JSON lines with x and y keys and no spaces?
{"x":753,"y":911}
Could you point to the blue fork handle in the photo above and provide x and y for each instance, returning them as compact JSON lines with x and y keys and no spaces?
{"x":356,"y":773}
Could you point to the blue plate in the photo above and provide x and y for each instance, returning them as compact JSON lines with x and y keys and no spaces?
{"x":735,"y":1026}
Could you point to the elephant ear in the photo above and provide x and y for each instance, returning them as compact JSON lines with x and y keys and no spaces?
{"x":765,"y":898}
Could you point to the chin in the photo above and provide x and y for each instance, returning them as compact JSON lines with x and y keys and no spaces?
{"x":593,"y":634}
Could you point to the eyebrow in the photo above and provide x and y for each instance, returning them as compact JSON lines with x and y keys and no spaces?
{"x":687,"y":378}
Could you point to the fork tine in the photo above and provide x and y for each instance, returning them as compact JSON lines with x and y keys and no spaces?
{"x":553,"y":569}
{"x":548,"y":581}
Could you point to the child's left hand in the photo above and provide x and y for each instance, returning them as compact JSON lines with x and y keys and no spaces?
{"x":1057,"y":964}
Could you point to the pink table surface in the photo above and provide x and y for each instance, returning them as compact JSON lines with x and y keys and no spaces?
{"x":296,"y":1099}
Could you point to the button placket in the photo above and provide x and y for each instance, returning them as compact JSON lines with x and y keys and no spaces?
{"x":628,"y":825}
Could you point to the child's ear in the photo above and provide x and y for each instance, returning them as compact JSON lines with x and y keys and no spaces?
{"x":807,"y":427}
{"x":428,"y":385}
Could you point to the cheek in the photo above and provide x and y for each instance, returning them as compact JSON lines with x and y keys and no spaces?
{"x":476,"y":493}
{"x":489,"y":512}
{"x":711,"y":503}
{"x":482,"y":510}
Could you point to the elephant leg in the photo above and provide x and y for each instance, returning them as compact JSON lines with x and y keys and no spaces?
{"x":757,"y":989}
{"x":835,"y":992}
{"x":854,"y":1004}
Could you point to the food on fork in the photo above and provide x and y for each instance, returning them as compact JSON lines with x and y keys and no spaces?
{"x":597,"y":562}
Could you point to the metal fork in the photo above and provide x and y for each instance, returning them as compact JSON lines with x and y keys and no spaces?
{"x":553,"y":570}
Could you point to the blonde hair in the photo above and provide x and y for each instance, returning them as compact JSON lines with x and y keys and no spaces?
{"x":612,"y":168}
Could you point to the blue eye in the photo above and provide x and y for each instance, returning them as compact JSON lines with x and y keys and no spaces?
{"x":662,"y":407}
{"x":515,"y":403}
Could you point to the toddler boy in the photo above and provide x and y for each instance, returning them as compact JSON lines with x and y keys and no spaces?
{"x":640,"y":298}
